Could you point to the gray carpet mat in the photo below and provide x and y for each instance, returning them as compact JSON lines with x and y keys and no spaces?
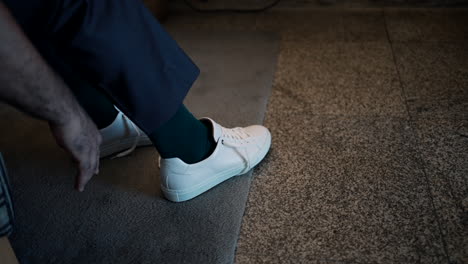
{"x":121,"y":217}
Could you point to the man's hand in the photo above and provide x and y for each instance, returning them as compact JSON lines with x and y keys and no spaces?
{"x":81,"y":139}
{"x":27,"y":82}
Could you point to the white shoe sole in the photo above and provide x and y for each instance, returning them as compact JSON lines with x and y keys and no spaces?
{"x":122,"y":145}
{"x":194,"y":191}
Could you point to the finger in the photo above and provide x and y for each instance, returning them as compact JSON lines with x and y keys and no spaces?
{"x":89,"y":170}
{"x":82,"y":178}
{"x":96,"y":171}
{"x":85,"y":174}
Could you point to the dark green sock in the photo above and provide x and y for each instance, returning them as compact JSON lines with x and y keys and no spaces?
{"x":184,"y":137}
{"x":96,"y":103}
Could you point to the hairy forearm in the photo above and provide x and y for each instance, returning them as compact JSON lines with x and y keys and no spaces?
{"x":26,"y":81}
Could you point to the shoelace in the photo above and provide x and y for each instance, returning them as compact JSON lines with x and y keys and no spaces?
{"x":135,"y":142}
{"x":234,"y":137}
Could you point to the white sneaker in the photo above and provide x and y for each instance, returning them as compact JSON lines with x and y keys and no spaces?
{"x":122,"y":137}
{"x":238,"y":150}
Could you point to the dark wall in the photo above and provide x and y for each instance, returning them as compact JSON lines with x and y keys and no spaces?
{"x":306,"y":3}
{"x":422,"y":2}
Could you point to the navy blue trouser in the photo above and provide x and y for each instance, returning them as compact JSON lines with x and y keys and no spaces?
{"x":117,"y":45}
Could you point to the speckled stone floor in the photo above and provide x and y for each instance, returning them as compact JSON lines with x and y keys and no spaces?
{"x":369,"y":116}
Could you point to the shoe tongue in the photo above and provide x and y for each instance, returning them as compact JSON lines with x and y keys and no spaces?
{"x":217,"y":132}
{"x":215,"y":128}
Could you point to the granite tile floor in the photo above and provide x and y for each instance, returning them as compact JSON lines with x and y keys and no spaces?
{"x":369,"y":116}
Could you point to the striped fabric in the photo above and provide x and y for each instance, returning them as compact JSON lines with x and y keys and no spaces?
{"x":6,"y":207}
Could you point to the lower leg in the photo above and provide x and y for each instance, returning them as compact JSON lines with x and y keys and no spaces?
{"x":147,"y":75}
{"x":96,"y":103}
{"x":184,"y":137}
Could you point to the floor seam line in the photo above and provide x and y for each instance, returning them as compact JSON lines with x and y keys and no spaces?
{"x":415,"y":139}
